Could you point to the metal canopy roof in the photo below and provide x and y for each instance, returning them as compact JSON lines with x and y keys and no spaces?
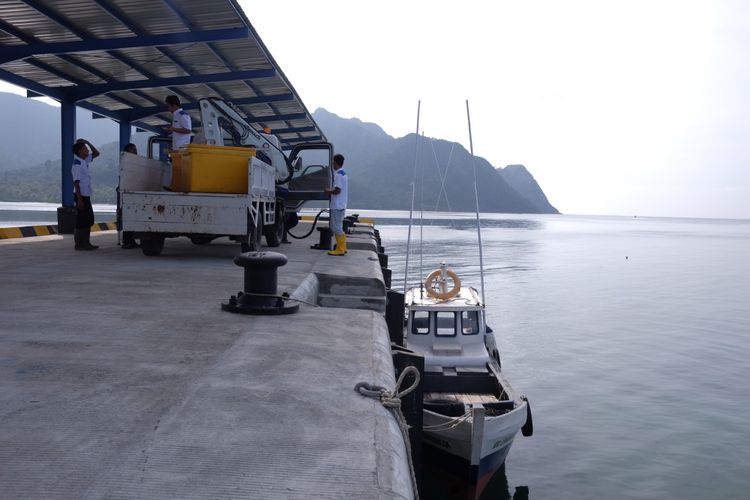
{"x":121,"y":58}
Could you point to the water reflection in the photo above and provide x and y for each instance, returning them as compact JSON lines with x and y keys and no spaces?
{"x":440,"y":484}
{"x":464,"y":224}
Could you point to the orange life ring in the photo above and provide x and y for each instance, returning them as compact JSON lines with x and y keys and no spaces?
{"x":434,"y":283}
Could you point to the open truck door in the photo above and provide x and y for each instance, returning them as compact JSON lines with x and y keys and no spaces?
{"x":311,"y":173}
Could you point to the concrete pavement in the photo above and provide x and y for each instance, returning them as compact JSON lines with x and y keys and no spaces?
{"x":120,"y":376}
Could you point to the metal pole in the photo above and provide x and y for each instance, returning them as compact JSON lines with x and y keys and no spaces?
{"x":476,"y":199}
{"x":421,"y":224}
{"x":411,"y":210}
{"x":67,"y":137}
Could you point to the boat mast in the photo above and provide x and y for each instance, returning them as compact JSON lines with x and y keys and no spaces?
{"x":411,"y":210}
{"x":476,"y":199}
{"x":421,"y":225}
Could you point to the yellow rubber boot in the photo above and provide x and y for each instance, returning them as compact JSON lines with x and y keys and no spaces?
{"x":340,"y":245}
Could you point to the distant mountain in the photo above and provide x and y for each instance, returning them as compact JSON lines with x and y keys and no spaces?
{"x":381,"y":170}
{"x":30,"y":131}
{"x":522,"y":181}
{"x":381,"y":167}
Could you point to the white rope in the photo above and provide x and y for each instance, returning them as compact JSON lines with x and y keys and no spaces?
{"x":443,"y":176}
{"x":451,"y":423}
{"x":392,"y":401}
{"x":282,"y":297}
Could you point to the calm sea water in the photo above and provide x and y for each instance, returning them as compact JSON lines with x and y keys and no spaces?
{"x":631,"y":338}
{"x":18,"y":214}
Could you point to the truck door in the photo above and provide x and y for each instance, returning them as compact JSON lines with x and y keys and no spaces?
{"x":311,"y":173}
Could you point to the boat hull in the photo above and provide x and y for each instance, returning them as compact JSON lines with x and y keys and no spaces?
{"x":471,"y":453}
{"x":469,"y":480}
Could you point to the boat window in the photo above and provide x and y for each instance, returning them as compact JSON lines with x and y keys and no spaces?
{"x":420,"y":322}
{"x":470,"y":323}
{"x":445,"y":323}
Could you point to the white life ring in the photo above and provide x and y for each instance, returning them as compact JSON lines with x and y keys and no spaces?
{"x":435,"y":284}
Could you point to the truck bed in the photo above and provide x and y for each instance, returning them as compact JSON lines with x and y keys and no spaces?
{"x":185,"y":213}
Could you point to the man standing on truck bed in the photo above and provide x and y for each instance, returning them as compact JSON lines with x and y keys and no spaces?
{"x":339,"y":195}
{"x":82,"y":157}
{"x":182,"y":125}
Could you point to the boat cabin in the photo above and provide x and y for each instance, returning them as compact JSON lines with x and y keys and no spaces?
{"x":448,"y":333}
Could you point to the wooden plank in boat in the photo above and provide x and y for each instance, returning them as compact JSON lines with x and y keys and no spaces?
{"x":461,"y":397}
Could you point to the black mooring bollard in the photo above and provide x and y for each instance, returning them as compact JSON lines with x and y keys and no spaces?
{"x":325,"y":239}
{"x":259,"y":296}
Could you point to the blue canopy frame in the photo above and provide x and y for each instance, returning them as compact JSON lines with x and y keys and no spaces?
{"x":121,"y":58}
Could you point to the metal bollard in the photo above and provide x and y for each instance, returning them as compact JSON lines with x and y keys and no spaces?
{"x":259,"y":295}
{"x":325,"y":239}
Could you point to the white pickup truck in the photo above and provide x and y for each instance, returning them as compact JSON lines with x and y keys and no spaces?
{"x":277,"y":185}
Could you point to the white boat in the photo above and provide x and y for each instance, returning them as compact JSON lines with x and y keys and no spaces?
{"x":471,"y":414}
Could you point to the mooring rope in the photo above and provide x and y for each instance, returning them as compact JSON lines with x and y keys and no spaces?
{"x":282,"y":297}
{"x":392,"y":401}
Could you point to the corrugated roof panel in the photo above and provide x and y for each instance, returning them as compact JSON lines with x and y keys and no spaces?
{"x":108,"y":68}
{"x":32,"y":23}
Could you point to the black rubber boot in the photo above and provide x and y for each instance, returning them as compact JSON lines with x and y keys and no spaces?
{"x":86,"y":240}
{"x":77,"y":238}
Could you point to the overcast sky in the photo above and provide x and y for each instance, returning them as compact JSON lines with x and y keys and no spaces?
{"x":616,"y":107}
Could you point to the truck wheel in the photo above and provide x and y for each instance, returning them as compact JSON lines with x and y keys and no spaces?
{"x":152,"y":245}
{"x":276,"y":234}
{"x":201,"y":240}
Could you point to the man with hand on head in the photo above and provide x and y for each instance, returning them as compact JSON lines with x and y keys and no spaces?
{"x":82,"y":158}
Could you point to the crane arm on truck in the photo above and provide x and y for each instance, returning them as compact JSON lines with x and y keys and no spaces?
{"x":277,"y":185}
{"x":223,"y":125}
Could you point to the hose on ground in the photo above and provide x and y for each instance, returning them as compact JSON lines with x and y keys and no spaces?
{"x":315,"y":222}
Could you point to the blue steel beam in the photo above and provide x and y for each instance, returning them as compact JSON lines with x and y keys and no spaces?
{"x":54,"y":92}
{"x":140,"y":113}
{"x":65,"y":57}
{"x":123,"y":18}
{"x":298,"y":140}
{"x":277,"y":118}
{"x":82,"y":34}
{"x":294,"y":130}
{"x":125,"y":131}
{"x":217,"y":52}
{"x":105,"y":77}
{"x":86,"y":91}
{"x":13,"y":53}
{"x":53,"y":71}
{"x":67,"y":136}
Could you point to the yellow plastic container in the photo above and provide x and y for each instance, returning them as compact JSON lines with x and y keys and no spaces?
{"x":177,"y":178}
{"x":214,"y":169}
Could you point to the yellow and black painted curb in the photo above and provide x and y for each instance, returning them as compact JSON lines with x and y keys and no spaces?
{"x":28,"y":231}
{"x":363,"y":220}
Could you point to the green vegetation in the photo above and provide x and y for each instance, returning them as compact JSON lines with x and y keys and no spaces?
{"x":42,"y":182}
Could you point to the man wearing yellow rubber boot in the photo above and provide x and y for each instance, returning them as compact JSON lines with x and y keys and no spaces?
{"x":338,"y":194}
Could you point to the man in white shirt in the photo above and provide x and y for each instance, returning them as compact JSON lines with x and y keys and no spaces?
{"x":339,"y":195}
{"x":182,"y":125}
{"x":82,"y":157}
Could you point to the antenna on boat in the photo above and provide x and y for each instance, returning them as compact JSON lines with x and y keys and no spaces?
{"x":411,"y":210}
{"x":421,"y":225}
{"x":476,"y":199}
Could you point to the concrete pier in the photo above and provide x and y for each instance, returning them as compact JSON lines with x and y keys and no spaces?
{"x":121,"y":377}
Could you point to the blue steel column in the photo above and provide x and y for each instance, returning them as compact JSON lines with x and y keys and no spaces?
{"x":66,"y":213}
{"x":125,"y":129}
